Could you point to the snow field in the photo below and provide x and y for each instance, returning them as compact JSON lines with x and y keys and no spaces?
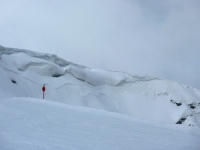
{"x":40,"y":124}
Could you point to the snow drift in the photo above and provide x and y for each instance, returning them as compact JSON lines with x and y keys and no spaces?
{"x":24,"y":72}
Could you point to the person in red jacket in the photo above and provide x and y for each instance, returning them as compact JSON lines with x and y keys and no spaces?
{"x":43,"y":90}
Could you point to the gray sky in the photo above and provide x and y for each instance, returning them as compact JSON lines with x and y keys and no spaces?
{"x":160,"y":38}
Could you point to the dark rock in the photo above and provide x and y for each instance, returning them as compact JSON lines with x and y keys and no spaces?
{"x":181,"y":121}
{"x":177,"y":104}
{"x":192,"y":106}
{"x":13,"y":81}
{"x":56,"y":75}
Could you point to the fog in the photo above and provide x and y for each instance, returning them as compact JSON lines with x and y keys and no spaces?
{"x":143,"y":37}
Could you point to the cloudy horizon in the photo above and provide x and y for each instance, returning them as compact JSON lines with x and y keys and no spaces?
{"x":143,"y":37}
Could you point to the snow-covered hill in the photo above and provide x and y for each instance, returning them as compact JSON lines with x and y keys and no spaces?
{"x":23,"y":73}
{"x":35,"y":124}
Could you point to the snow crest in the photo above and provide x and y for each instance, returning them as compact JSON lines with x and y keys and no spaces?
{"x":24,"y":72}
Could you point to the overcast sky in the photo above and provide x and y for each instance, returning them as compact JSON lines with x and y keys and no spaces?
{"x":159,"y":38}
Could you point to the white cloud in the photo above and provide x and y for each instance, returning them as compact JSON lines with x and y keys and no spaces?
{"x":158,"y":38}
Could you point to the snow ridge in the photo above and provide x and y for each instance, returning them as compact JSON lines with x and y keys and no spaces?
{"x":23,"y":73}
{"x":52,"y":58}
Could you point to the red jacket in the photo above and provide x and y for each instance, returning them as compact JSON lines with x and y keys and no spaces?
{"x":43,"y":88}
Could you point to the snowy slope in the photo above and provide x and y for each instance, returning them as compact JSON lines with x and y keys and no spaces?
{"x":36,"y":124}
{"x":24,"y":72}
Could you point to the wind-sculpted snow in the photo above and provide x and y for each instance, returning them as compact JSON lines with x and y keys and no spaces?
{"x":52,"y":58}
{"x":23,"y":73}
{"x":56,"y":67}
